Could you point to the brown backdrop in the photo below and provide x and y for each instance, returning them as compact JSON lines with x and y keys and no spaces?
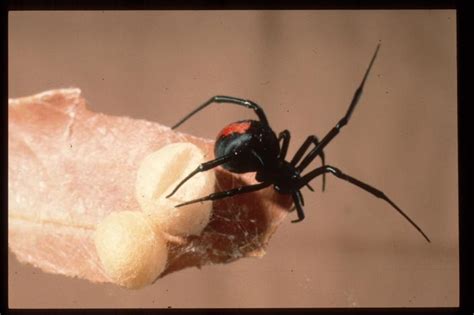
{"x":302,"y":67}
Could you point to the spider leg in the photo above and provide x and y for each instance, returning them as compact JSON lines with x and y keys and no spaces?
{"x":204,"y":167}
{"x":299,"y":203}
{"x":299,"y":154}
{"x":227,"y":99}
{"x":374,"y":191}
{"x":285,"y":136}
{"x":342,"y":122}
{"x":309,"y":187}
{"x":228,"y":193}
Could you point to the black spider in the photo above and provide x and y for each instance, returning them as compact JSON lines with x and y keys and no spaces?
{"x":252,"y":146}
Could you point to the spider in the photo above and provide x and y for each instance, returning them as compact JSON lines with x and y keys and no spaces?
{"x":252,"y":146}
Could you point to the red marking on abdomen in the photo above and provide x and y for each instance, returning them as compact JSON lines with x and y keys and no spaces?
{"x":237,"y":127}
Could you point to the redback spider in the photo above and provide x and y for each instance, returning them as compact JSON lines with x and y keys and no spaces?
{"x":252,"y":146}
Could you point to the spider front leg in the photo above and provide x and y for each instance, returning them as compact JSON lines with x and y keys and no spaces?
{"x":341,"y":123}
{"x":228,"y":193}
{"x":204,"y":167}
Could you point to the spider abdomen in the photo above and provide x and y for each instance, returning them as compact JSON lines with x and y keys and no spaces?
{"x":256,"y":144}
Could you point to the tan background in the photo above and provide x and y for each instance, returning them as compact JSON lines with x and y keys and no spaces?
{"x":302,"y":67}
